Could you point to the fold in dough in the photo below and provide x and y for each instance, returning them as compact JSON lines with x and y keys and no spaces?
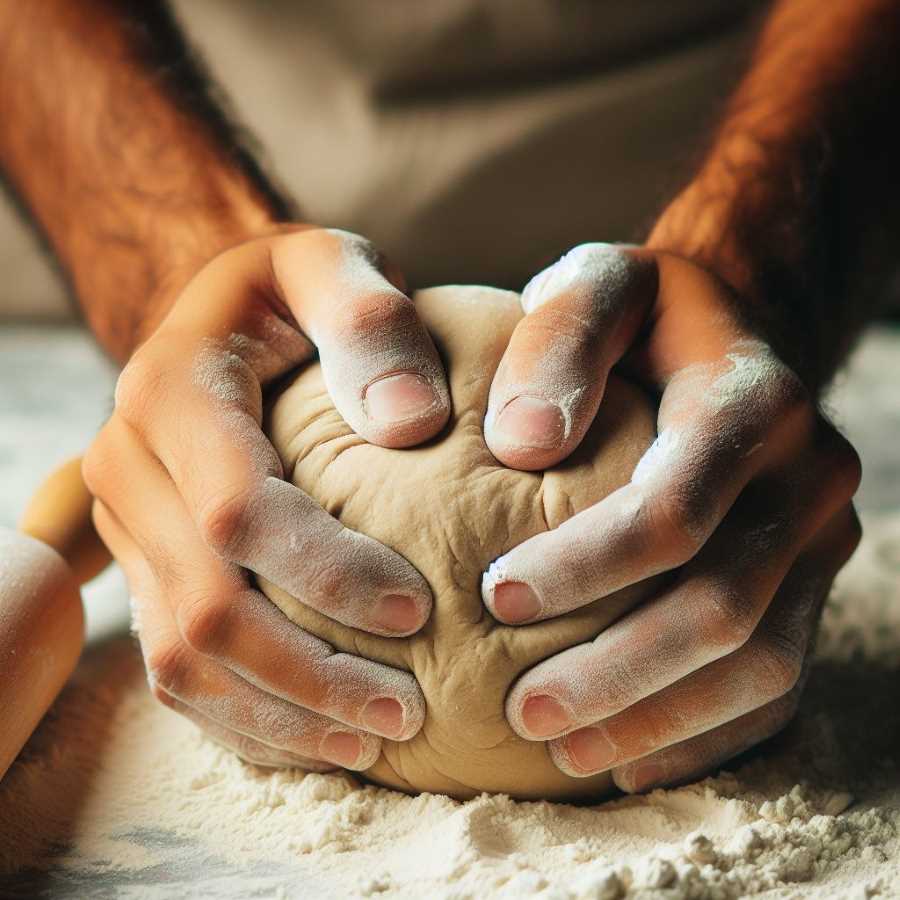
{"x":450,"y":508}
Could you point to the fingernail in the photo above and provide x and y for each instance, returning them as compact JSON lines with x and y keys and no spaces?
{"x":341,"y":747}
{"x":397,"y":398}
{"x":543,"y":716}
{"x":397,"y":613}
{"x":531,"y":422}
{"x":590,"y":750}
{"x":384,"y":716}
{"x":641,"y":777}
{"x":515,"y":602}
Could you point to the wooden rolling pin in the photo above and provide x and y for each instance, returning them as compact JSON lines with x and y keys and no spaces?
{"x":42,"y":567}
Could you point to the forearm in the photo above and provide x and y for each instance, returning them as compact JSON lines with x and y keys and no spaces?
{"x":797,"y":204}
{"x":112,"y":142}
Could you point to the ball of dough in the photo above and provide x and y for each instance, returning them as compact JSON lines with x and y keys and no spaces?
{"x":450,"y":508}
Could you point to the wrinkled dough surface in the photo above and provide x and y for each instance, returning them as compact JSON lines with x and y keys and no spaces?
{"x":450,"y":508}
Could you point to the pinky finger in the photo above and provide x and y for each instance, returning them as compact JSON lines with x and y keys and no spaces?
{"x":700,"y":755}
{"x":247,"y":748}
{"x":691,"y":758}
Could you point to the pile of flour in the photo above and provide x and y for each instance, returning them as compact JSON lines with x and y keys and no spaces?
{"x":116,"y":790}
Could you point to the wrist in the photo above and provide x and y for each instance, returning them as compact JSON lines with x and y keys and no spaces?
{"x":130,"y":291}
{"x":749,"y":226}
{"x":183,"y":251}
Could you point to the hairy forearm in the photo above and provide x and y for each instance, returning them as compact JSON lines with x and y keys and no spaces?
{"x":797,"y":204}
{"x":111,"y":140}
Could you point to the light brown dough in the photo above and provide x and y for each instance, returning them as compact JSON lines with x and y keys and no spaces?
{"x":450,"y":508}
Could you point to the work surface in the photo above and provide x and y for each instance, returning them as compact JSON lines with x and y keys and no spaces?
{"x":116,"y":796}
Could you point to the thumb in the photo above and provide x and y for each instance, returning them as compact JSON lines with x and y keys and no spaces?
{"x":581,"y":315}
{"x":380,"y":365}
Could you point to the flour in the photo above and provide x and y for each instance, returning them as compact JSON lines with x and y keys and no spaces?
{"x":607,"y":268}
{"x":136,"y":795}
{"x":549,"y":360}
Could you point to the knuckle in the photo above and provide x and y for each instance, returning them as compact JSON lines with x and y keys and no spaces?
{"x":791,"y":399}
{"x":569,"y":322}
{"x":258,"y":755}
{"x":251,"y":753}
{"x":168,"y":665}
{"x":97,"y":464}
{"x":137,"y":385}
{"x":845,"y":466}
{"x":729,"y":623}
{"x":658,"y":728}
{"x":161,"y":695}
{"x":375,"y":312}
{"x":349,"y":242}
{"x":680,"y":526}
{"x":852,"y":535}
{"x":203,"y":620}
{"x":328,"y":585}
{"x":779,"y":665}
{"x":224,"y":521}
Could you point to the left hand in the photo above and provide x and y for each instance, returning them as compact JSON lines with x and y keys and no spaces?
{"x":744,"y":498}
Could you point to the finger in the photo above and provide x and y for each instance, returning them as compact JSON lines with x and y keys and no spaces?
{"x":709,"y":612}
{"x":204,"y":427}
{"x":693,"y":758}
{"x":378,"y":360}
{"x":768,"y":666}
{"x":580,"y":316}
{"x":175,"y":670}
{"x":680,"y":491}
{"x":221,"y":617}
{"x":122,"y":546}
{"x":248,"y":749}
{"x":257,"y":726}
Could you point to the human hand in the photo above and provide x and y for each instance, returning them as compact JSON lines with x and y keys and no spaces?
{"x":744,"y":499}
{"x":190,"y":495}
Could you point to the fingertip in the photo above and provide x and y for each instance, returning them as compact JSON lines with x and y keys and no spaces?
{"x":509,"y":597}
{"x":403,"y":409}
{"x":635,"y":778}
{"x":536,"y":715}
{"x":562,"y":759}
{"x":413,"y":710}
{"x":515,"y":603}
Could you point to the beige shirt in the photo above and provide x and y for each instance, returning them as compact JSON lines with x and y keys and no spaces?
{"x":477,"y":140}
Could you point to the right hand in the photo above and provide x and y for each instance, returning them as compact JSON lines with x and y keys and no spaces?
{"x":190,"y":495}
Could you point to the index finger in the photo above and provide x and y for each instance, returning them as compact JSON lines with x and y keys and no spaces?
{"x":718,"y":426}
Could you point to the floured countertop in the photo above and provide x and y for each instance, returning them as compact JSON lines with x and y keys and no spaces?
{"x":116,"y":796}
